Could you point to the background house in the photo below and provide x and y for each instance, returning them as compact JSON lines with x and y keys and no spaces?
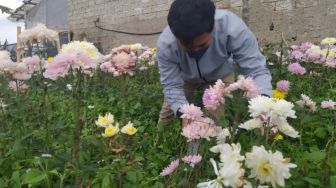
{"x":270,"y":20}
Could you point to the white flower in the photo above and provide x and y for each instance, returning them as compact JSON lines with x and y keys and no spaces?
{"x":228,"y":175}
{"x":328,"y":41}
{"x":4,"y":56}
{"x":2,"y":104}
{"x":104,"y":121}
{"x":129,"y":129}
{"x":136,"y":47}
{"x":260,"y":105}
{"x":315,"y":49}
{"x":46,"y":155}
{"x":251,"y":124}
{"x":86,"y":48}
{"x":90,"y":107}
{"x":228,"y":152}
{"x":307,"y":102}
{"x":249,"y":185}
{"x":223,"y":135}
{"x":69,"y":86}
{"x":40,"y":32}
{"x":288,"y":130}
{"x":283,"y":108}
{"x":268,"y":167}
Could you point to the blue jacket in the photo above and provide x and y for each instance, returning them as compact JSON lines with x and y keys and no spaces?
{"x":233,"y":44}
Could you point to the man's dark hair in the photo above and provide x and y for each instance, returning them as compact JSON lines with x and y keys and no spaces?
{"x":188,"y":19}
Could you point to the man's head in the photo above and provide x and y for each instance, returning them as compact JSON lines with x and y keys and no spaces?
{"x":192,"y":22}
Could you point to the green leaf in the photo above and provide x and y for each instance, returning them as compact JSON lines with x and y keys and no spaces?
{"x":16,"y":178}
{"x":139,"y":158}
{"x":158,"y":185}
{"x":320,"y":132}
{"x":54,"y":172}
{"x":313,"y":181}
{"x":332,"y":181}
{"x":106,"y":181}
{"x":315,"y":156}
{"x":33,"y":176}
{"x":132,"y":176}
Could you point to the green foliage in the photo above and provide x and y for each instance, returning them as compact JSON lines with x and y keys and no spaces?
{"x":28,"y":130}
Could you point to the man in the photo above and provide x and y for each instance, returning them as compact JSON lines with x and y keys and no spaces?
{"x":200,"y":45}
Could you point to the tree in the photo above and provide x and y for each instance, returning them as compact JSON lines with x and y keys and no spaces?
{"x":4,"y":9}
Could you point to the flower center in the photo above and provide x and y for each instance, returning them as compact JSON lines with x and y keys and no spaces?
{"x":265,"y":169}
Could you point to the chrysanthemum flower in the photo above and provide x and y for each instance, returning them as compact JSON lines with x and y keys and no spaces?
{"x":129,"y":129}
{"x":170,"y":168}
{"x":268,"y":167}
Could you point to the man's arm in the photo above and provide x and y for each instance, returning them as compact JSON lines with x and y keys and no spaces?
{"x":173,"y":84}
{"x":245,"y":50}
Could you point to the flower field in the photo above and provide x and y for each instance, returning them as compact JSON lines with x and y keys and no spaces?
{"x":84,"y":119}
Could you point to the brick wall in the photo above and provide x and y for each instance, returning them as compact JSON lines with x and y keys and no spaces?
{"x":292,"y":19}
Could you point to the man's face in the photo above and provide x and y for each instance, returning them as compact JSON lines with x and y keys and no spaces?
{"x":200,"y":42}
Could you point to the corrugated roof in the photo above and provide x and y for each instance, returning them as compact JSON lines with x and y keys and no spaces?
{"x":19,"y":13}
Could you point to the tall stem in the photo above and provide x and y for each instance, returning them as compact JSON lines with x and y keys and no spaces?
{"x":79,"y":120}
{"x":123,"y":100}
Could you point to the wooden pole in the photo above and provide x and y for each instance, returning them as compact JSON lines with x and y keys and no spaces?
{"x":58,"y":43}
{"x":18,"y":44}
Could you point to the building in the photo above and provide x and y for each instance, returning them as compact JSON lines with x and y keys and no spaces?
{"x":54,"y":14}
{"x":270,"y":20}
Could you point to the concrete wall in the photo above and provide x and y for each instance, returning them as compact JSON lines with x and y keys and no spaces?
{"x":292,"y":19}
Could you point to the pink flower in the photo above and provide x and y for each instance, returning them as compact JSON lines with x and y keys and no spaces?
{"x":191,"y":111}
{"x":296,"y":55}
{"x":202,"y":127}
{"x":283,"y":86}
{"x":192,"y":160}
{"x":247,"y":85}
{"x":85,"y":62}
{"x":143,"y":68}
{"x":107,"y":67}
{"x":313,"y":56}
{"x":122,"y":48}
{"x":123,"y":61}
{"x":20,"y":72}
{"x":212,"y":98}
{"x":60,"y":66}
{"x":191,"y":132}
{"x":305,"y":46}
{"x":296,"y":68}
{"x":119,"y":62}
{"x":33,"y":63}
{"x":278,"y":54}
{"x":21,"y":86}
{"x":170,"y":168}
{"x":330,"y":62}
{"x":328,"y":104}
{"x":295,"y":47}
{"x":207,"y":127}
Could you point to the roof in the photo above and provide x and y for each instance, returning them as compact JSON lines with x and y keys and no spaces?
{"x":19,"y":13}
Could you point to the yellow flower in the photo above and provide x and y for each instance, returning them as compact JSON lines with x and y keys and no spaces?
{"x":129,"y":129}
{"x":329,"y":52}
{"x":111,"y":131}
{"x":50,"y":59}
{"x":154,"y":50}
{"x":278,"y":94}
{"x":328,"y":41}
{"x":104,"y":121}
{"x":278,"y":137}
